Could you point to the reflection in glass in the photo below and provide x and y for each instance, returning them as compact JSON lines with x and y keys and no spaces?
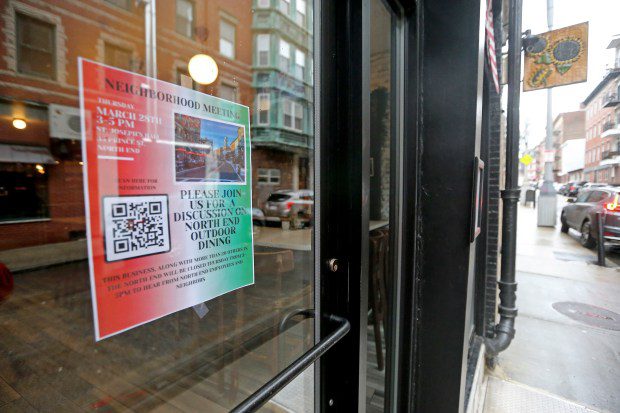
{"x":206,"y":358}
{"x":380,"y":205}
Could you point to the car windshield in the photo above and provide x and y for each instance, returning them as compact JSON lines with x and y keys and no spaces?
{"x":278,"y":197}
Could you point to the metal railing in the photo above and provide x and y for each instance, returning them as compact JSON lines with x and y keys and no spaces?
{"x":610,"y":100}
{"x":609,"y":125}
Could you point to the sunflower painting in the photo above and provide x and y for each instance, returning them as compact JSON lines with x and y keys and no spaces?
{"x":556,"y":58}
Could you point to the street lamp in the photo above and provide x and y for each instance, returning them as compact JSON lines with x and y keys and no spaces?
{"x":203,"y":69}
{"x":19,"y":123}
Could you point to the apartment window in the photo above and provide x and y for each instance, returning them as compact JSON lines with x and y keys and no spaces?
{"x":262,"y":46}
{"x":300,"y":15}
{"x":299,"y":116}
{"x":227,"y":39}
{"x":263,"y":4}
{"x":292,"y":114}
{"x":287,"y":111}
{"x":184,"y":79}
{"x":228,"y":92}
{"x":285,"y":55}
{"x":263,"y":107}
{"x":300,"y":64}
{"x":123,"y":4}
{"x":185,"y":18}
{"x":269,"y":176}
{"x":36,"y":47}
{"x":285,"y":6}
{"x":117,"y":56}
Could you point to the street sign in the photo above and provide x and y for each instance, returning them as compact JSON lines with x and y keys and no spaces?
{"x":556,"y":58}
{"x":526,"y":159}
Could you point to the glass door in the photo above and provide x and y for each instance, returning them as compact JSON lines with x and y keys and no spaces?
{"x":200,"y":205}
{"x":129,"y":197}
{"x":384,"y":248}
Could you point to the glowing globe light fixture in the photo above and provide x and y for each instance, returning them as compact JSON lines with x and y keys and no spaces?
{"x":203,"y":69}
{"x":19,"y":123}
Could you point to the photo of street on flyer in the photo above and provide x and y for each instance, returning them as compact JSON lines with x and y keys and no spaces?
{"x":208,"y":150}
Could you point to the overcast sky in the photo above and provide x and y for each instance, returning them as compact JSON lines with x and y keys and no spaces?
{"x":604,"y":19}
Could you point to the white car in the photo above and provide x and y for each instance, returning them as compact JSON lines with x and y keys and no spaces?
{"x":289,"y":204}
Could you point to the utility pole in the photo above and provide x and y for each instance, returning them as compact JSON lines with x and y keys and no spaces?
{"x":150,"y":37}
{"x":547,"y":200}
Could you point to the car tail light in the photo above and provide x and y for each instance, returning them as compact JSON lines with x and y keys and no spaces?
{"x":289,"y":204}
{"x":613,"y":206}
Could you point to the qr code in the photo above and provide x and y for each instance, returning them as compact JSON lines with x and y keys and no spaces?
{"x":135,"y":226}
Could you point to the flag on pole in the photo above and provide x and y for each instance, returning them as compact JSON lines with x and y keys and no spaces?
{"x":490,"y":37}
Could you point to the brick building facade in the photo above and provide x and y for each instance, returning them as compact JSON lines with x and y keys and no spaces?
{"x":566,"y":126}
{"x":40,"y":44}
{"x":602,"y":162}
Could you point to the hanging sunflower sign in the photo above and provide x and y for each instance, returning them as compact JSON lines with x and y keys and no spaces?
{"x":556,"y":58}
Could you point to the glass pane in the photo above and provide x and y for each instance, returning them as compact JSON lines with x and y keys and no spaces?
{"x":152,"y":178}
{"x":382,"y":203}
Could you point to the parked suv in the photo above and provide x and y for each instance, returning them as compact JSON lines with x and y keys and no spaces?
{"x":289,"y":204}
{"x":580,"y":214}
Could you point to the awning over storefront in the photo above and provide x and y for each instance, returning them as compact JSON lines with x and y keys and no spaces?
{"x":25,"y":154}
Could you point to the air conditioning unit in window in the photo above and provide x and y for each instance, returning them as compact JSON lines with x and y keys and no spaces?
{"x":64,"y":122}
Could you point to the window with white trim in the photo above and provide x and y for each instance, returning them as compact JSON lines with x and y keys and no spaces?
{"x":293,"y":114}
{"x":285,"y":6}
{"x":227,"y":39}
{"x":36,"y":46}
{"x":268,"y":176}
{"x":285,"y":56}
{"x":117,"y":56}
{"x":299,"y":116}
{"x":262,"y":49}
{"x":185,"y":18}
{"x":300,"y":14}
{"x":263,"y":105}
{"x":228,"y":92}
{"x":300,"y":64}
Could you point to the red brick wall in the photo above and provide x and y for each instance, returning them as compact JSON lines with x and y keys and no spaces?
{"x":268,"y":158}
{"x":86,"y":24}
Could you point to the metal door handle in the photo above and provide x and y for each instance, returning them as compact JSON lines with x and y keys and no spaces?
{"x":262,"y":395}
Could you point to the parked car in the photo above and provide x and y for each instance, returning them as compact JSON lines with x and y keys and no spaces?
{"x":289,"y":204}
{"x":258,"y":217}
{"x":573,"y":188}
{"x":580,"y":214}
{"x":591,"y":185}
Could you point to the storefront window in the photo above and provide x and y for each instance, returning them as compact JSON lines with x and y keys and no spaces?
{"x":23,"y":192}
{"x":201,"y":355}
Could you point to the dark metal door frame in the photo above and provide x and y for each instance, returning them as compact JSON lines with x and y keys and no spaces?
{"x":343,"y":61}
{"x":441,"y":137}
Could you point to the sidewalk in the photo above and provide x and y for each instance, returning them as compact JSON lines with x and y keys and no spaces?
{"x":556,"y":362}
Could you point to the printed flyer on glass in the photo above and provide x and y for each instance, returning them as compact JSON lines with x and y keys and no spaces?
{"x":168,"y":196}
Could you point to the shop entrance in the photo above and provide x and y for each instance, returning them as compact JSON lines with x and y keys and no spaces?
{"x":271,"y":102}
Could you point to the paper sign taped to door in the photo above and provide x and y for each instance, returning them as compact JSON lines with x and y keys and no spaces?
{"x":168,"y":196}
